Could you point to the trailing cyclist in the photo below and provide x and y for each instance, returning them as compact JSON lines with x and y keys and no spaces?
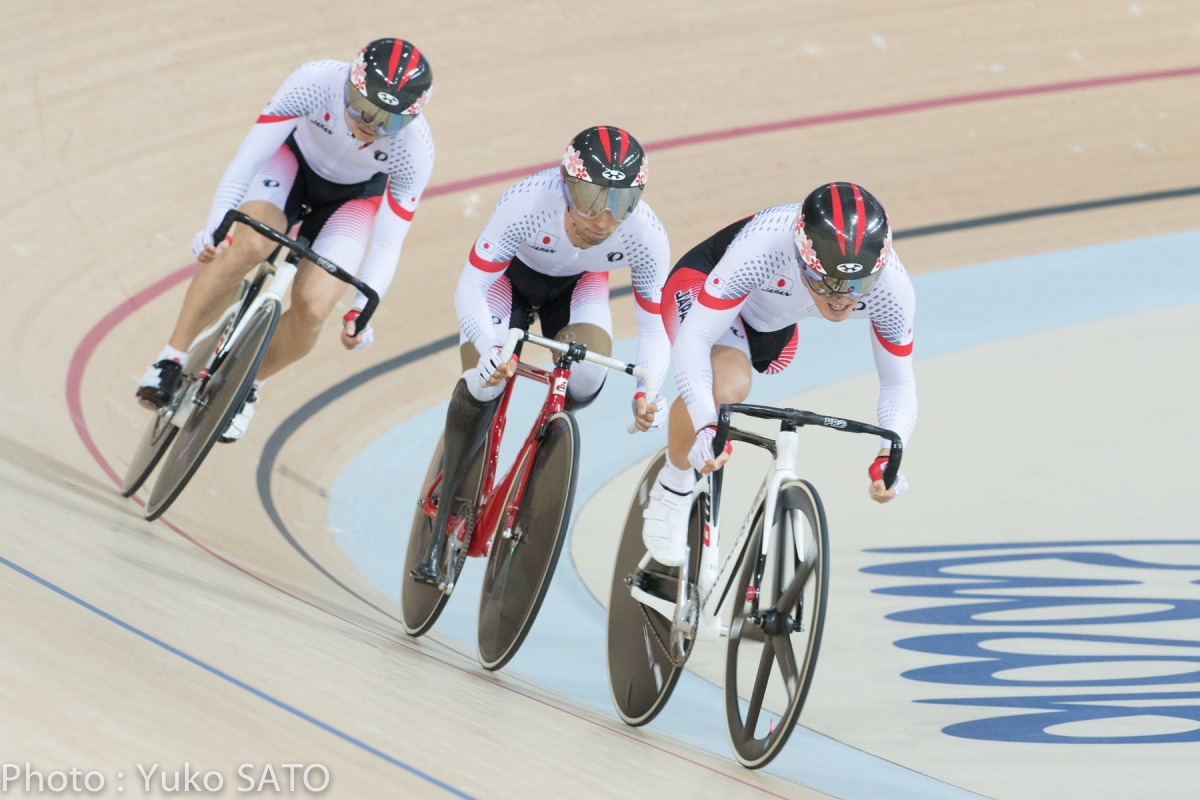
{"x":732,"y":303}
{"x":342,"y":149}
{"x":548,"y":248}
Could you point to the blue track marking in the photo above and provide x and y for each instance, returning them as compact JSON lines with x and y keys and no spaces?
{"x":225,"y":676}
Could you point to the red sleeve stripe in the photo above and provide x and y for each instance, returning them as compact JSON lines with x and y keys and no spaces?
{"x":653,"y":308}
{"x":273,"y":118}
{"x":399,"y":210}
{"x":900,"y":350}
{"x":718,"y":303}
{"x":487,"y":266}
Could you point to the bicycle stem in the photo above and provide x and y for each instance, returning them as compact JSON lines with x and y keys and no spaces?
{"x":304,"y":251}
{"x":517,"y":335}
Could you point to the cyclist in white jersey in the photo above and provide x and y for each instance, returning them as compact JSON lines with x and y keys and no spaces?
{"x":733,"y":302}
{"x":548,"y":248}
{"x":343,"y":150}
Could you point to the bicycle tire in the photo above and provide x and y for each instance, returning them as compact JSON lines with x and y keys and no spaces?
{"x":810,"y":580}
{"x":641,"y":673}
{"x":420,"y":603}
{"x":218,"y":402}
{"x":520,"y":568}
{"x":161,"y":431}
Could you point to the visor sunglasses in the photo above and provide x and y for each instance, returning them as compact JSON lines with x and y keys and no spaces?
{"x":591,"y":200}
{"x":385,"y":123}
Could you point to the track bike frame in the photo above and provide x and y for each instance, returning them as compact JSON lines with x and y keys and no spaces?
{"x":279,"y":280}
{"x":784,"y":447}
{"x":498,"y":505}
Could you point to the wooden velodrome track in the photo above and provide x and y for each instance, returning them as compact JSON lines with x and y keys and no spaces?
{"x":207,"y":638}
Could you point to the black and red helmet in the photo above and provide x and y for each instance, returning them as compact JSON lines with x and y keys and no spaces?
{"x":390,"y":82}
{"x":844,"y":240}
{"x":604,"y":169}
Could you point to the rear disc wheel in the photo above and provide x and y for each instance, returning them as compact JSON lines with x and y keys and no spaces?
{"x":645,"y":658}
{"x":420,"y":603}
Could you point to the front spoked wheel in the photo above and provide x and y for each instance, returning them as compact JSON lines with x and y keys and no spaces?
{"x":775,"y":632}
{"x":525,"y":550}
{"x":646,"y":650}
{"x":214,"y":404}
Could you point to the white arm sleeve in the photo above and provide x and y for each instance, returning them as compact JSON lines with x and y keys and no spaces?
{"x":410,"y":165}
{"x":303,"y":92}
{"x":649,"y":274}
{"x":692,"y":356}
{"x":892,"y":313}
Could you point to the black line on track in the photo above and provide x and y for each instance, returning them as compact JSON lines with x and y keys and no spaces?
{"x":275,"y":444}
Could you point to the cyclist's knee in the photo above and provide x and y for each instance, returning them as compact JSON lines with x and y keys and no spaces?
{"x":468,"y":356}
{"x":596,"y":339}
{"x":586,"y":382}
{"x":731,"y":375}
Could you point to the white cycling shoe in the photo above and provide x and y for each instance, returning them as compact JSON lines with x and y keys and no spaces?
{"x":665,"y":526}
{"x":241,"y":420}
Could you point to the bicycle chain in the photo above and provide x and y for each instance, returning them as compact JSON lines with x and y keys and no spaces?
{"x":665,"y":647}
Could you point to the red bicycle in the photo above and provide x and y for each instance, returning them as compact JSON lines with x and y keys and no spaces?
{"x":530,"y":509}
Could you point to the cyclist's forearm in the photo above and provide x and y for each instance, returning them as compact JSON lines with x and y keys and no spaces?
{"x":471,"y":305}
{"x":654,"y":348}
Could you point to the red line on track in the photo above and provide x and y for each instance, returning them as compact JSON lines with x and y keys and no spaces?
{"x":845,"y":116}
{"x":91,"y":341}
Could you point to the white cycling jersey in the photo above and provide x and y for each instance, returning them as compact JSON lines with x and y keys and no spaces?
{"x":529,"y":224}
{"x":311,"y":105}
{"x":758,"y":280}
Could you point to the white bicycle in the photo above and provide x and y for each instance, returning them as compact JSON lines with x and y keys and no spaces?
{"x":223,"y":362}
{"x":773,"y":616}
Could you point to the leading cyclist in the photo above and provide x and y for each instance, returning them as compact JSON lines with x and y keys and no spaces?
{"x":733,"y":302}
{"x":548,"y":247}
{"x":334,"y":141}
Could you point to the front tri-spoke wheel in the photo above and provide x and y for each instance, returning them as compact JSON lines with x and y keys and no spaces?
{"x":525,"y":550}
{"x":775,"y":631}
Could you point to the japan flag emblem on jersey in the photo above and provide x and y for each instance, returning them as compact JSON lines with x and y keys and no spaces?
{"x":779,"y":284}
{"x":486,"y":248}
{"x":546,"y":242}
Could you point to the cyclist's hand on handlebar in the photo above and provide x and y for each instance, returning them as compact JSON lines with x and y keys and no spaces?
{"x":879,"y":493}
{"x":491,"y":371}
{"x":649,"y":416}
{"x":203,"y":249}
{"x":352,"y":338}
{"x":701,"y":454}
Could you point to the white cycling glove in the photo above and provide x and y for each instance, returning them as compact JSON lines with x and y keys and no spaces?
{"x":489,"y":362}
{"x":202,"y":239}
{"x":660,"y":410}
{"x":702,"y":449}
{"x":368,"y":334}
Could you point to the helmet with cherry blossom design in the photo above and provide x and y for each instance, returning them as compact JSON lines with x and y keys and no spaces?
{"x":390,"y":82}
{"x":844,"y":240}
{"x":604,"y":169}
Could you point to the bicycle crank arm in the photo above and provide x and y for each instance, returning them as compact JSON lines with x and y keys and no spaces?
{"x":664,"y":607}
